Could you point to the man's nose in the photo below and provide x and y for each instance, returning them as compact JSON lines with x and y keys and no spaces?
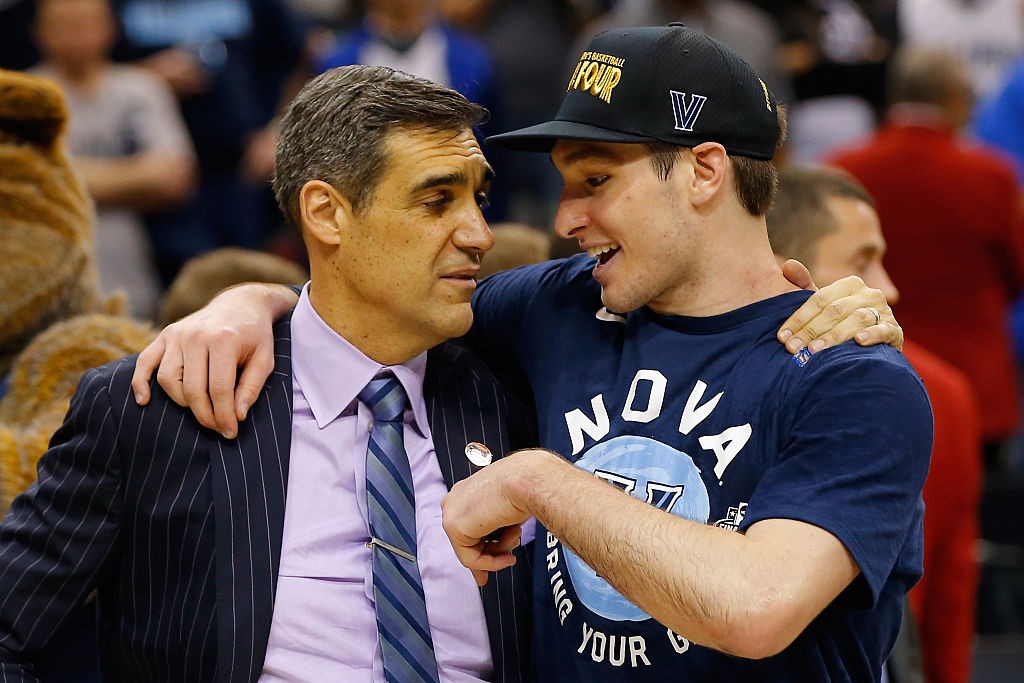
{"x":474,"y":234}
{"x":570,"y":218}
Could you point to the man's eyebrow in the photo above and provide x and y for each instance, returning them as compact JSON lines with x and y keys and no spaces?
{"x":440,"y":180}
{"x":453,"y":178}
{"x":588,"y":153}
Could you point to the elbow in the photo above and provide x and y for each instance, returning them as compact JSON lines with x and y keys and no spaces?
{"x":759,"y":644}
{"x":764,"y":627}
{"x":180,"y":180}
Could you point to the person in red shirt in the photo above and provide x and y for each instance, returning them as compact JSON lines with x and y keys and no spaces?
{"x":952,"y":217}
{"x":825,"y":219}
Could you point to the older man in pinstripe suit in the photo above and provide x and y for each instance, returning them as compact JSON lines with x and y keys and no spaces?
{"x":245,"y":560}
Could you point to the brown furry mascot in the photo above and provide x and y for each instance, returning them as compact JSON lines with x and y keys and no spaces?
{"x":54,"y":324}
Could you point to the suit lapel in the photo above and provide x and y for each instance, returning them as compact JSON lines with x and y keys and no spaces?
{"x":462,"y":409}
{"x":250,"y":477}
{"x":465,"y":404}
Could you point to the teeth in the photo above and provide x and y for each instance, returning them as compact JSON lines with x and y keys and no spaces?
{"x":594,"y":252}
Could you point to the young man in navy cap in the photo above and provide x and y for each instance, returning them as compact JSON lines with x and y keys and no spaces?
{"x":792,"y":483}
{"x":779,"y":496}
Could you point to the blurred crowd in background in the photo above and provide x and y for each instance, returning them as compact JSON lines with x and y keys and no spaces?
{"x":174,"y":106}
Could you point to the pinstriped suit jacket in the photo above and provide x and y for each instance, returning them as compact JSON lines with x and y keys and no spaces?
{"x":180,"y":529}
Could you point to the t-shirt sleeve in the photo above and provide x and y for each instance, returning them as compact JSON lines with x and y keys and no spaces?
{"x":854,"y":460}
{"x":507,"y":304}
{"x":156,"y":117}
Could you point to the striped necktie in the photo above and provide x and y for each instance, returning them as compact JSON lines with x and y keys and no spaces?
{"x":405,"y":642}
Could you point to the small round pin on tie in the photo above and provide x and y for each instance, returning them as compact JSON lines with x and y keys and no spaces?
{"x":478,"y":454}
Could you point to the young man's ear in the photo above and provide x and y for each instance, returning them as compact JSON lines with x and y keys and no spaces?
{"x":325,"y":212}
{"x":710,"y":167}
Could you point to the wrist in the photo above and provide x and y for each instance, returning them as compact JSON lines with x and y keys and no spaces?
{"x":280,"y":298}
{"x":535,"y":479}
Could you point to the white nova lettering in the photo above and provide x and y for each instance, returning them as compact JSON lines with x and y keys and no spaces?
{"x":725,"y":445}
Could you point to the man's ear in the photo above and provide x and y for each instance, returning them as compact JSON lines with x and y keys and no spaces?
{"x":710,"y":169}
{"x":325,"y":212}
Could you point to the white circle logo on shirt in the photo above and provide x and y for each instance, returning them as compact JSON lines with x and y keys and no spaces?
{"x":654,"y":473}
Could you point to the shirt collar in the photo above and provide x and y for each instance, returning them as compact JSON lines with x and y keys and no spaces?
{"x":331,"y":372}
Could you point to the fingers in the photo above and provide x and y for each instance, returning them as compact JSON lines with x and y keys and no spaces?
{"x":254,"y":376}
{"x":837,"y":324}
{"x":147,"y":362}
{"x":481,"y":562}
{"x":886,"y":332}
{"x":195,"y":380}
{"x":797,"y":273}
{"x":833,"y":315}
{"x":504,"y":540}
{"x":219,"y":391}
{"x":171,"y":371}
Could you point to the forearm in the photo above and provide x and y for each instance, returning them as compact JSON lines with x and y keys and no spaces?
{"x":274,"y":298}
{"x":741,"y":594}
{"x":143,"y":182}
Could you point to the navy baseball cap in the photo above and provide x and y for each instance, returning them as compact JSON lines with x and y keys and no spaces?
{"x":670,"y":84}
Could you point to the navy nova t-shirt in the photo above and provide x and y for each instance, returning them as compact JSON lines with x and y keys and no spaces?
{"x":710,"y":419}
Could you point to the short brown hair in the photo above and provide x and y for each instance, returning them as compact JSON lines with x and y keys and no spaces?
{"x":923,"y":74}
{"x":336,"y":126}
{"x":757,"y":180}
{"x":800,"y":216}
{"x":515,"y":244}
{"x":203,"y":276}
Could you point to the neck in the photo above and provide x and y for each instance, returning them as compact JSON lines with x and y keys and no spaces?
{"x":921,"y":115}
{"x":82,"y":76}
{"x":737,"y":268}
{"x":375,"y":333}
{"x":406,"y":26}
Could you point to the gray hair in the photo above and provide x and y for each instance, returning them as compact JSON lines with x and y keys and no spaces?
{"x":335,"y":128}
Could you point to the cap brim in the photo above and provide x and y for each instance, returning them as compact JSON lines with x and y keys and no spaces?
{"x":543,"y":136}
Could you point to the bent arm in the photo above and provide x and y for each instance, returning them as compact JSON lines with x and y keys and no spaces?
{"x":145,"y":181}
{"x":197,"y":358}
{"x":747,"y":594}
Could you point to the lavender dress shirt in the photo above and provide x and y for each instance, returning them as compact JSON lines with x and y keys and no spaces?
{"x":324,"y":625}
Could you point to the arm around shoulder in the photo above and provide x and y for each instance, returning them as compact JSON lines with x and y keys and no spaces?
{"x":197,"y":358}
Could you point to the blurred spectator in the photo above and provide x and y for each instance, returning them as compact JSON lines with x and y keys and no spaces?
{"x":412,"y":36}
{"x":827,"y":220}
{"x":987,"y":34}
{"x":126,"y":136}
{"x":999,"y":118}
{"x":202,"y":277}
{"x":325,"y":14}
{"x":999,"y":121}
{"x":742,"y":26}
{"x":229,"y":62}
{"x":953,"y":222}
{"x":16,"y":48}
{"x":515,"y":244}
{"x":835,"y":52}
{"x":528,"y":88}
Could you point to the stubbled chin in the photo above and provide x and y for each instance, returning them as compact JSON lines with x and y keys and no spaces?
{"x":458,"y":321}
{"x":618,"y":304}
